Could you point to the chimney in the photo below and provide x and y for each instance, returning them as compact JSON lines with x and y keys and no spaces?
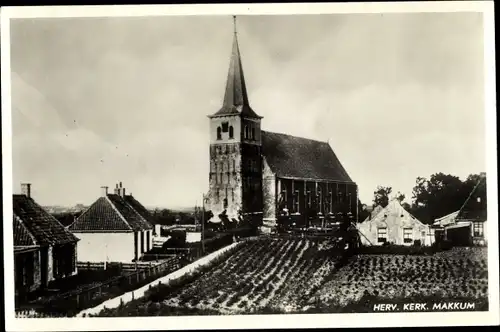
{"x":117,"y":191}
{"x":104,"y":191}
{"x":122,"y":192}
{"x":26,"y":189}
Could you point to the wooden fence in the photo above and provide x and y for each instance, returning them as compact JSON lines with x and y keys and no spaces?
{"x":69,"y":303}
{"x":126,"y":267}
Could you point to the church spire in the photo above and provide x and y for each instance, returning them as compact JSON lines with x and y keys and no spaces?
{"x":235,"y":96}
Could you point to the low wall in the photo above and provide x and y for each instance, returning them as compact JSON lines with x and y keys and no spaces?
{"x":138,"y":293}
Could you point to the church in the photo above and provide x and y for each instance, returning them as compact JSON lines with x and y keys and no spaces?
{"x":263,"y":174}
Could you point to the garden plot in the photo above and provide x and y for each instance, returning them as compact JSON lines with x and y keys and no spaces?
{"x":263,"y":275}
{"x":296,"y":275}
{"x":455,"y":274}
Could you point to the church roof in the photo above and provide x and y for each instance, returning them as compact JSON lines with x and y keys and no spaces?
{"x":297,"y":157}
{"x":113,"y":213}
{"x":35,"y":226}
{"x":236,"y":96}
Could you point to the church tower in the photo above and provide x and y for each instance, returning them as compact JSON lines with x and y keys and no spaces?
{"x":235,"y":182}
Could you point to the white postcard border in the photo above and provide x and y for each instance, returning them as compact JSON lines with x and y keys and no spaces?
{"x":256,"y":321}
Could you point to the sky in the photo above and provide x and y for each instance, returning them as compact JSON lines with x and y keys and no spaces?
{"x":101,"y":100}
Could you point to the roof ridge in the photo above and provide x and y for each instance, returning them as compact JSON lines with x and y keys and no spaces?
{"x":33,"y":238}
{"x":294,"y":136}
{"x":117,"y":211}
{"x":133,"y":209}
{"x":470,"y":194}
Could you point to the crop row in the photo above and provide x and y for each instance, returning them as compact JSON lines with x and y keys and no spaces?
{"x":406,"y":276}
{"x":269,"y":273}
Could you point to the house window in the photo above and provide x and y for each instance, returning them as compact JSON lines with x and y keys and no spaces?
{"x":142,"y":242}
{"x":219,"y":133}
{"x":320,"y":201}
{"x":285,"y":194}
{"x":246,"y":132}
{"x":231,"y":132}
{"x":479,"y":199}
{"x":225,"y":203}
{"x":147,"y":241}
{"x":331,"y":202}
{"x":478,"y":229}
{"x":309,"y":199}
{"x":423,"y":233}
{"x":382,"y":235}
{"x":253,"y":133}
{"x":232,"y":194}
{"x":225,"y":127}
{"x":234,"y":165}
{"x":407,"y":235}
{"x":136,"y":239}
{"x":295,"y":201}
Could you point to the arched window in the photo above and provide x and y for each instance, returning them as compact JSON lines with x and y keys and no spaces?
{"x":231,"y":132}
{"x":219,"y":133}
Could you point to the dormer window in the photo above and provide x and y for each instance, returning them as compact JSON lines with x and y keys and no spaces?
{"x":231,"y":132}
{"x":219,"y":133}
{"x":253,"y":133}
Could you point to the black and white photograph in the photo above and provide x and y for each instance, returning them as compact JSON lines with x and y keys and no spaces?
{"x":245,"y":161}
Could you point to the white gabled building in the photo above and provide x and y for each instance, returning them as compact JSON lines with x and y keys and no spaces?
{"x":393,"y":224}
{"x":115,"y":228}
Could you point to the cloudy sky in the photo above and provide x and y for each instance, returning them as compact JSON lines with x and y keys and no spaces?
{"x":101,"y":100}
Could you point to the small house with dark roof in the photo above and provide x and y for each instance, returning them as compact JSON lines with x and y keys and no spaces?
{"x":261,"y":173}
{"x":466,"y":226}
{"x":115,"y":228}
{"x":44,"y":251}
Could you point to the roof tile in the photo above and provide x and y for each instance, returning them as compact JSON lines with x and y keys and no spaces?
{"x":290,"y":156}
{"x":100,"y":216}
{"x":42,"y":225}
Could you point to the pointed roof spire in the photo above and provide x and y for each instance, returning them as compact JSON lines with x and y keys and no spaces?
{"x":235,"y":96}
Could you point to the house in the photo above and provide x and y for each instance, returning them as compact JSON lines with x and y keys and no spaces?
{"x":44,"y":251}
{"x":466,"y":226}
{"x":260,"y":173}
{"x":115,"y":228}
{"x":393,"y":224}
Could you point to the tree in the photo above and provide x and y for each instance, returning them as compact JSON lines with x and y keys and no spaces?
{"x":381,"y":196}
{"x":400,"y":197}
